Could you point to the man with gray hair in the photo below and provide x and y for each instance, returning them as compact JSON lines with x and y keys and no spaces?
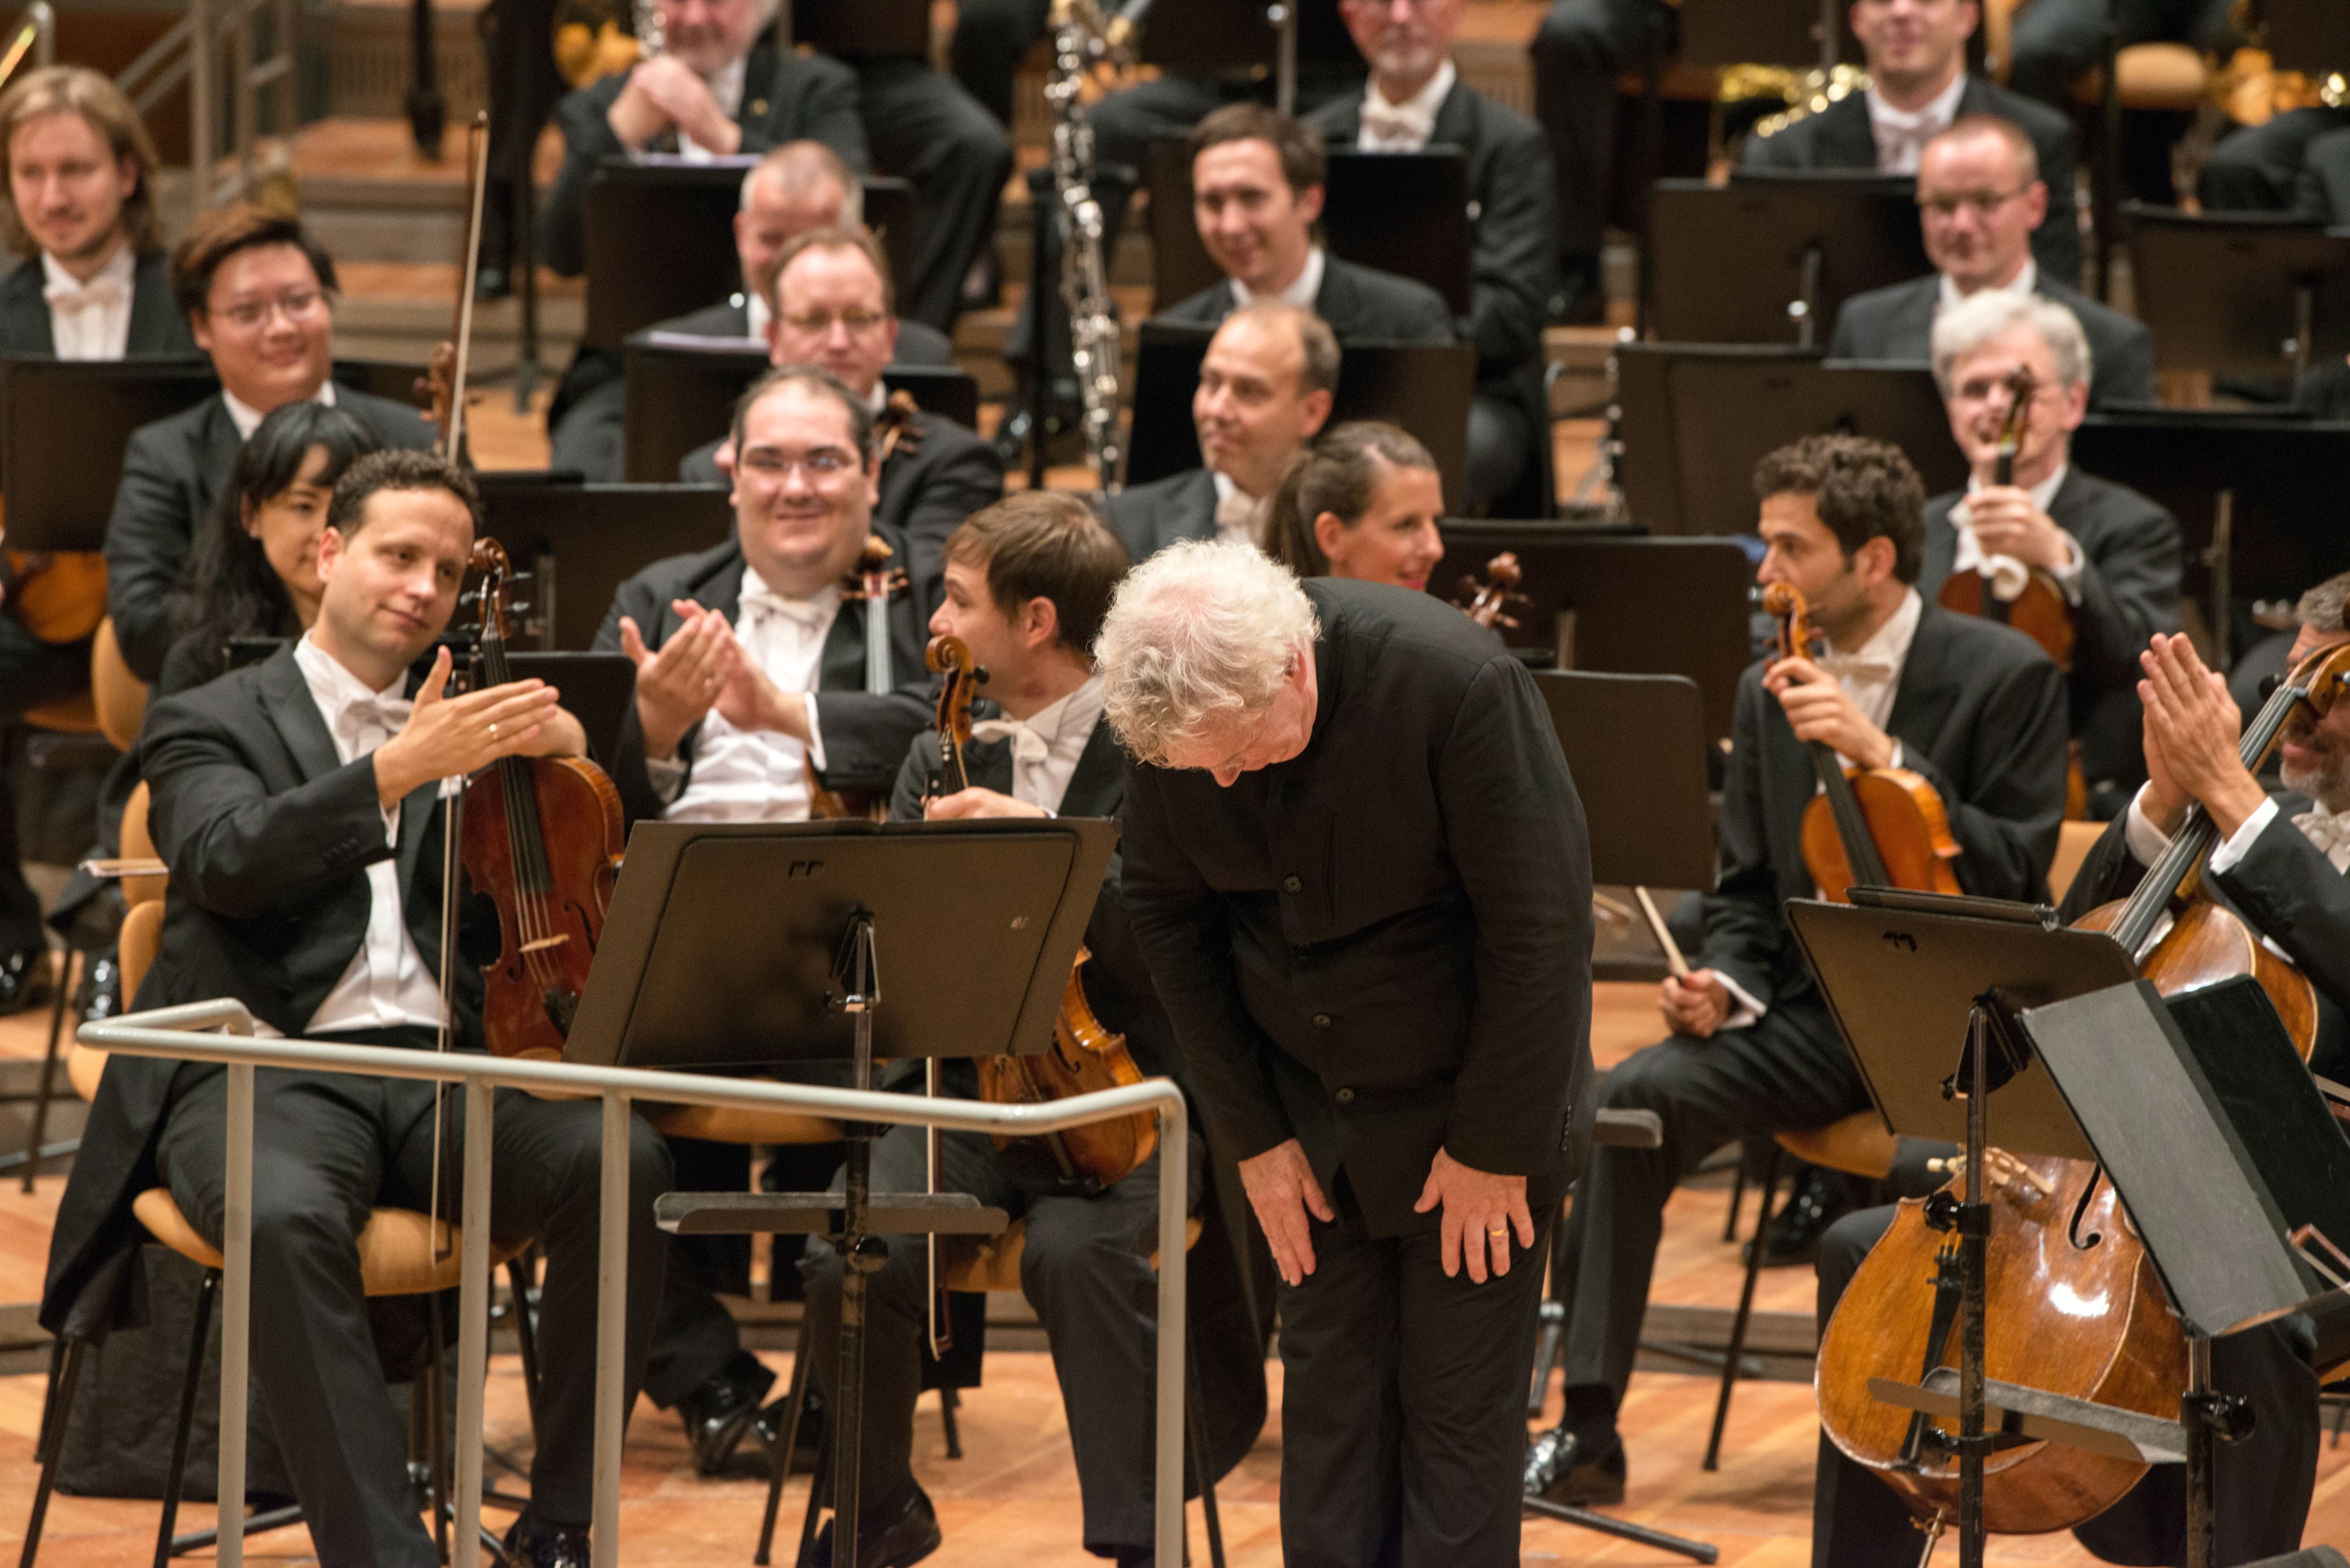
{"x":2113,"y":554}
{"x":1337,"y":785}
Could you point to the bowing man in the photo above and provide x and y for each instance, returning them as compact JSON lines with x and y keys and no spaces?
{"x":295,"y":803}
{"x":1358,"y":869}
{"x":1028,"y":581}
{"x":1972,"y":706}
{"x":258,"y":294}
{"x":2279,"y":864}
{"x":2114,"y":554}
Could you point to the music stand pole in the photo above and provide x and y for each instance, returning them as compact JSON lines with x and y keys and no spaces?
{"x":1041,"y":295}
{"x":1282,"y":14}
{"x":1974,"y":1239}
{"x":856,"y":972}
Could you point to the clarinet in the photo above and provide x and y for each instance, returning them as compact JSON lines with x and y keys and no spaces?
{"x":651,"y":37}
{"x":1077,"y":42}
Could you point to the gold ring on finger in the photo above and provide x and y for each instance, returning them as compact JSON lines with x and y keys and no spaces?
{"x":1497,"y":1231}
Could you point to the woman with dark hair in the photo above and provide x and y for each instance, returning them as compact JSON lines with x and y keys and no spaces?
{"x":254,"y":568}
{"x":1361,"y":502}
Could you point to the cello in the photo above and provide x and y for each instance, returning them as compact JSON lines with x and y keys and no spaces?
{"x":2075,"y":1306}
{"x":1086,"y":1056}
{"x":1870,"y":827}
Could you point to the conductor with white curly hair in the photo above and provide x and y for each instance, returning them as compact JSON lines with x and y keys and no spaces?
{"x":1357,"y":867}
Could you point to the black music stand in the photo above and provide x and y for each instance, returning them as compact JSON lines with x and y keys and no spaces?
{"x":64,"y":426}
{"x":2242,"y":293}
{"x":2308,"y":36}
{"x":631,"y":285}
{"x":1617,"y":605}
{"x":1256,"y":40}
{"x":1402,"y":213}
{"x":580,"y":542}
{"x":745,"y":946}
{"x":1806,"y":243}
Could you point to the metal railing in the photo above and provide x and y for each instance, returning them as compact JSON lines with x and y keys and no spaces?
{"x":190,"y":51}
{"x":175,"y":1033}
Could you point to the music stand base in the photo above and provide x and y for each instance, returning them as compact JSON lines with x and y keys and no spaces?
{"x":1623,"y":1530}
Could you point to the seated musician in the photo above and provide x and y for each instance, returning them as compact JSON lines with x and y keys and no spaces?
{"x":794,"y":189}
{"x":1265,"y":388}
{"x":2114,"y":554}
{"x":2279,"y":864}
{"x":1919,"y":86}
{"x":1416,"y":98}
{"x":1981,"y":194}
{"x":1028,"y":581}
{"x":94,"y":284}
{"x":764,"y":608}
{"x":258,"y":294}
{"x":2298,"y":162}
{"x":294,"y":802}
{"x":1362,"y":502}
{"x":832,"y":304}
{"x":1974,"y":709}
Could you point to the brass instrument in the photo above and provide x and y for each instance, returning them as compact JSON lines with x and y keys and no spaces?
{"x":1080,"y":39}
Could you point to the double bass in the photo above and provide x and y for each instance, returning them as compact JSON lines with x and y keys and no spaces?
{"x":2073,"y":1302}
{"x":1868,"y":827}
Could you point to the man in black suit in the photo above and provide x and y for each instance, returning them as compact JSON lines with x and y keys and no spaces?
{"x":719,"y":87}
{"x":833,"y":306}
{"x":1582,"y":47}
{"x":1028,"y":581}
{"x":1415,"y":100}
{"x":296,"y":801}
{"x":1265,"y":388}
{"x":1972,"y":707}
{"x":1356,"y":866}
{"x":258,"y":294}
{"x":2297,"y":162}
{"x":2114,"y":554}
{"x":2057,"y":42}
{"x":2279,"y":865}
{"x":94,"y":284}
{"x":1919,"y":88}
{"x":1980,"y":198}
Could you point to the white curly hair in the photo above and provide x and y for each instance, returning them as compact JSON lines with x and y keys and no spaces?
{"x":1200,"y":635}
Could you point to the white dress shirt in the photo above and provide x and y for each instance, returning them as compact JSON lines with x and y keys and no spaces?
{"x":387,"y":983}
{"x":2330,"y":831}
{"x":1301,"y":291}
{"x":248,"y":418}
{"x":1239,"y":514}
{"x":758,"y":776}
{"x":1901,"y":134}
{"x":726,"y":87}
{"x":92,"y":320}
{"x":1047,"y":744}
{"x":2008,"y":575}
{"x":1409,"y":126}
{"x":2025,"y":281}
{"x":758,"y":315}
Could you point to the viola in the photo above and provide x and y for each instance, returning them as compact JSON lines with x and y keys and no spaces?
{"x":1488,"y":600}
{"x":873,"y":582}
{"x":1868,"y":827}
{"x":543,"y":841}
{"x":1086,"y":1056}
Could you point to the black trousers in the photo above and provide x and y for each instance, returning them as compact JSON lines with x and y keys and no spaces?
{"x":329,"y":1147}
{"x":31,"y":672}
{"x":1580,"y":49}
{"x":1789,"y":1071}
{"x":991,"y":39}
{"x":518,"y":43}
{"x":1403,"y":1403}
{"x":2263,"y":1484}
{"x":2056,"y":40}
{"x":1085,"y":1267}
{"x":925,"y":128}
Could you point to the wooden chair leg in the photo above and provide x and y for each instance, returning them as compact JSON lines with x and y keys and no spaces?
{"x":176,"y":1478}
{"x":947,"y":1403}
{"x":526,"y":1327}
{"x":1745,"y":1310}
{"x":66,"y":1366}
{"x":1737,"y":1198}
{"x":48,"y":1069}
{"x":779,"y":1458}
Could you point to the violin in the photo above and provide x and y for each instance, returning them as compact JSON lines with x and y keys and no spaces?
{"x":2074,"y":1303}
{"x":1868,"y":827}
{"x":873,"y":583}
{"x":1086,"y":1056}
{"x":542,"y":839}
{"x":1488,"y":600}
{"x":2040,"y":611}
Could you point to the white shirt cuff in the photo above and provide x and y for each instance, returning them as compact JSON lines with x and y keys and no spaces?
{"x":668,"y":775}
{"x":1747,"y":1010}
{"x":1897,"y":756}
{"x":2068,"y":576}
{"x":2240,"y":843}
{"x":815,"y":735}
{"x":2145,"y":841}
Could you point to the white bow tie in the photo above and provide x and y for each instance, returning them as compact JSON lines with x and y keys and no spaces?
{"x":98,"y":291}
{"x":1027,"y":745}
{"x":1235,"y":509}
{"x":386,"y":714}
{"x":1389,"y":126}
{"x":807,"y":614}
{"x":1852,"y":666}
{"x":2330,"y":831}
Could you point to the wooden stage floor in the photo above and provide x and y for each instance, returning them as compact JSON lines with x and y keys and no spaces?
{"x":1011,"y":1501}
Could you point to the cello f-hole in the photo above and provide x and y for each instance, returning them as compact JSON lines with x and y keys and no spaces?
{"x":2080,"y":1210}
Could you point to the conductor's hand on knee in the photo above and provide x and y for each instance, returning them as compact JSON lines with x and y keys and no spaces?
{"x":1480,"y":1210}
{"x":1281,"y":1189}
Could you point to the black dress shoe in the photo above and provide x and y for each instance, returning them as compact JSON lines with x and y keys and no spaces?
{"x":22,"y":977}
{"x":901,"y":1532}
{"x":768,"y":1428}
{"x":1822,"y":1197}
{"x":717,"y":1414}
{"x":530,"y":1544}
{"x":1564,"y":1468}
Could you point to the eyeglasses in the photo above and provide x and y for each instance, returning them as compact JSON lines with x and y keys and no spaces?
{"x":297,"y":303}
{"x":858,"y":322}
{"x":1981,"y":388}
{"x":825,"y":462}
{"x":1981,"y":203}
